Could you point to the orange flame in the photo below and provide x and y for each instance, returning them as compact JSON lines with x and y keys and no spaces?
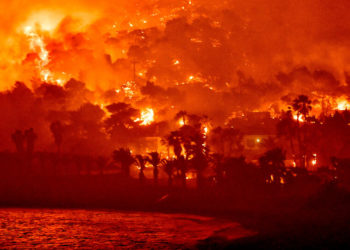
{"x":147,"y":117}
{"x":342,"y":103}
{"x":298,"y":118}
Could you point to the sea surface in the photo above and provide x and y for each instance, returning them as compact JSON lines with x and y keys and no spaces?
{"x":76,"y":228}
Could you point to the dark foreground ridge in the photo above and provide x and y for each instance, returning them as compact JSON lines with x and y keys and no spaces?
{"x":322,"y":222}
{"x":283,"y":219}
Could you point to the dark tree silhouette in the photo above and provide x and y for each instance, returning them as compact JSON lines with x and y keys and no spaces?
{"x":57,"y":131}
{"x":181,"y":165}
{"x":141,"y":161}
{"x":124,"y":157}
{"x":121,"y":124}
{"x":85,"y":130}
{"x":30,"y":138}
{"x":239,"y":175}
{"x":302,"y":106}
{"x":342,"y":169}
{"x":227,"y":141}
{"x":18,"y":139}
{"x":174,"y":140}
{"x":155,"y":160}
{"x":183,"y":116}
{"x":199,"y":153}
{"x":168,"y":166}
{"x":189,"y":144}
{"x":272,"y":164}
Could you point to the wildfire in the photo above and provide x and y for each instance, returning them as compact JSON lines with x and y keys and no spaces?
{"x":129,"y":89}
{"x":37,"y":45}
{"x":342,"y":103}
{"x":195,"y":78}
{"x":147,"y":117}
{"x":282,"y":181}
{"x":314,"y":160}
{"x":205,"y":130}
{"x":190,"y":176}
{"x":181,"y":122}
{"x":298,"y":118}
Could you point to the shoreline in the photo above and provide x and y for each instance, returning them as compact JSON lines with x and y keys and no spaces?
{"x":276,"y":217}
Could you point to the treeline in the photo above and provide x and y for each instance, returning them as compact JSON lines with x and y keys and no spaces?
{"x":211,"y":156}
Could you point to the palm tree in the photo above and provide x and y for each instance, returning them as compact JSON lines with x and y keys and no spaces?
{"x":141,"y":161}
{"x":200,"y":163}
{"x":30,"y":138}
{"x":181,"y":165}
{"x":174,"y":140}
{"x":57,"y":130}
{"x":168,"y":167}
{"x":302,"y":105}
{"x":124,"y":157}
{"x":155,"y":160}
{"x":200,"y":153}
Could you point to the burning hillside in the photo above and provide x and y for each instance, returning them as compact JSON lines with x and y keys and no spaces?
{"x":161,"y":57}
{"x":232,"y":108}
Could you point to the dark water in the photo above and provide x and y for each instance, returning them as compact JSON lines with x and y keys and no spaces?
{"x":57,"y":228}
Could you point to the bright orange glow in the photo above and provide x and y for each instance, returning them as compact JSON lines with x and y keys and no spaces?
{"x":205,"y":130}
{"x":46,"y":20}
{"x":314,"y":160}
{"x":190,"y":176}
{"x":128,"y":88}
{"x":342,"y":103}
{"x":147,"y":117}
{"x":181,"y":122}
{"x":282,"y":180}
{"x":38,"y":46}
{"x":300,"y":118}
